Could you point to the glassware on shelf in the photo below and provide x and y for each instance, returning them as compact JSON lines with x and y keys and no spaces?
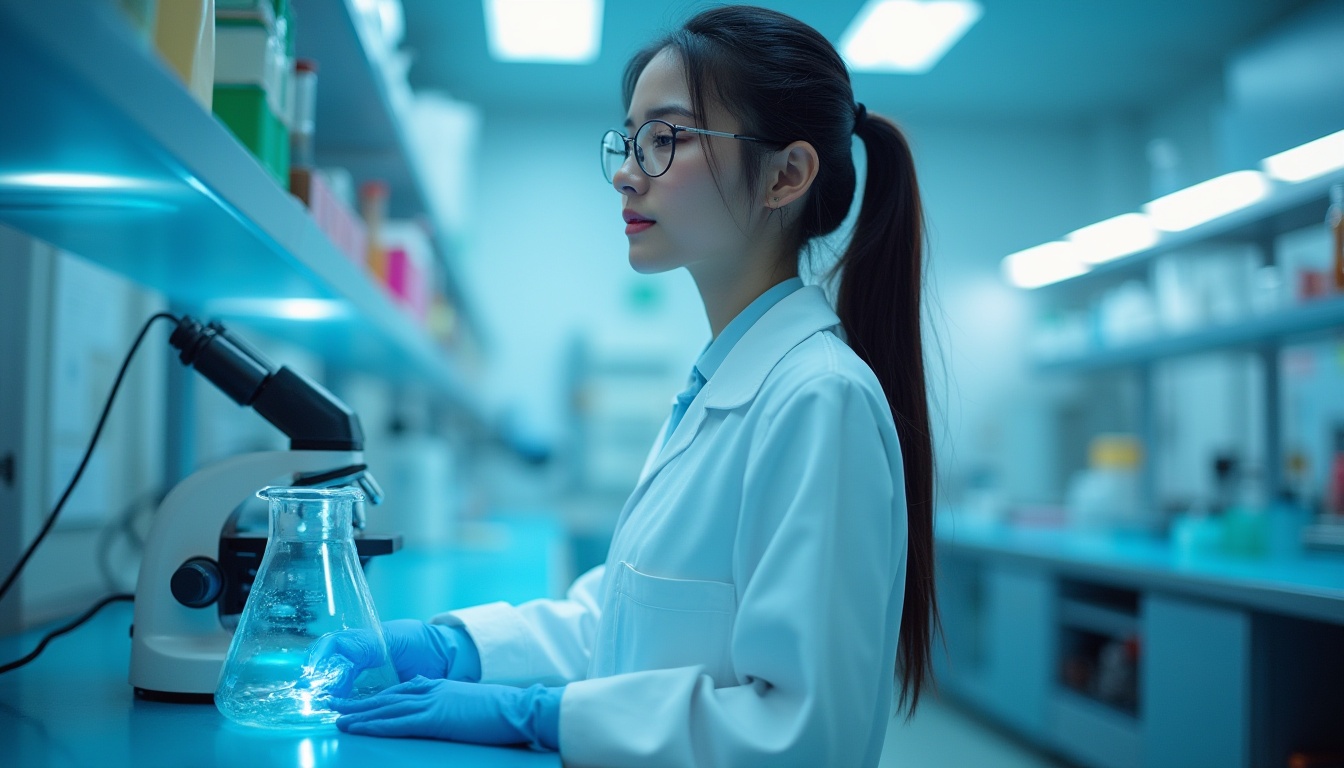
{"x":304,"y":114}
{"x":373,"y":201}
{"x":309,"y":584}
{"x":1334,"y":220}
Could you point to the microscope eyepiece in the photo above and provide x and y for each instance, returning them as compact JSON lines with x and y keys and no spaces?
{"x":312,"y":418}
{"x":238,"y":371}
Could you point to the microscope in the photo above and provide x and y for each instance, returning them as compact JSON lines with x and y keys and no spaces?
{"x":198,"y":566}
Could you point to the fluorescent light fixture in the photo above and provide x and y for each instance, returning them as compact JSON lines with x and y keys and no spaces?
{"x":1207,"y":200}
{"x":284,"y":309}
{"x":1315,"y":158}
{"x":550,"y":31}
{"x":1043,"y":265}
{"x":1113,"y":238}
{"x":93,"y":182}
{"x":905,"y":35}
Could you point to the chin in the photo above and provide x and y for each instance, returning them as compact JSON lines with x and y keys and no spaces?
{"x":648,"y":264}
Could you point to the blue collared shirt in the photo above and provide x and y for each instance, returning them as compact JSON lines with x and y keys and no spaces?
{"x":717,"y":350}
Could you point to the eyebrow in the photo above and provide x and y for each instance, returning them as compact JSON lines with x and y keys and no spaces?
{"x":663,"y":111}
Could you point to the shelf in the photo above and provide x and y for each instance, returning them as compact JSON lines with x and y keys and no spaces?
{"x":362,"y":120}
{"x":1097,"y":619}
{"x":361,"y":123}
{"x":1289,"y":207}
{"x":1301,"y":323}
{"x":164,"y":195}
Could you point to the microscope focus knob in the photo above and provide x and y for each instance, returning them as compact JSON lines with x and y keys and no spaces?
{"x":197,"y":582}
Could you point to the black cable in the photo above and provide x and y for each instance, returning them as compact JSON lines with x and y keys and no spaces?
{"x":107,"y":408}
{"x":98,"y":606}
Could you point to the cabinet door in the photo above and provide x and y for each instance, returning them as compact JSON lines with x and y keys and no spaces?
{"x":1195,"y":684}
{"x":1020,"y":643}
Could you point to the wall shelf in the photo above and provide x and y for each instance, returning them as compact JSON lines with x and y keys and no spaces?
{"x":1297,"y":324}
{"x":161,"y":192}
{"x":363,"y":118}
{"x":1287,"y":208}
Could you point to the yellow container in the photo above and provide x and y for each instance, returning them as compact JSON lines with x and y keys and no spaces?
{"x":1115,"y":452}
{"x":184,"y":33}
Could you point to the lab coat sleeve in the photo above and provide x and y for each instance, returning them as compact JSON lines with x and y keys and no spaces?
{"x":540,"y":641}
{"x":820,"y":561}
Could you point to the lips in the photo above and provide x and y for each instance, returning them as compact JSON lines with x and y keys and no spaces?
{"x":635,"y":222}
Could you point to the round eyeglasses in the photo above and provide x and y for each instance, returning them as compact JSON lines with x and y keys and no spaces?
{"x":655,"y":144}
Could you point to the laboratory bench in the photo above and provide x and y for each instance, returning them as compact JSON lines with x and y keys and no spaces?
{"x":73,"y":706}
{"x":1118,"y":650}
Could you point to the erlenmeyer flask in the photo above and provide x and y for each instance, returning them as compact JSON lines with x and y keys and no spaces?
{"x":309,"y":584}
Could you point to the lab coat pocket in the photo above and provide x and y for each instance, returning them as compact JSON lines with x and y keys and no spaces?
{"x":664,"y":623}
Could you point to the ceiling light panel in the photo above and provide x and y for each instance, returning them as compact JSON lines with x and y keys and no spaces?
{"x":907,"y":36}
{"x":1315,"y":158}
{"x":1043,"y":265}
{"x":1113,"y":238}
{"x":544,"y":31}
{"x":1207,"y":200}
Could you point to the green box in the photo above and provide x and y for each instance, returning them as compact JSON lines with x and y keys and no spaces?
{"x":244,"y":110}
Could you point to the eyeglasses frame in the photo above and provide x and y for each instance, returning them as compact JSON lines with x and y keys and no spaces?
{"x":631,"y":149}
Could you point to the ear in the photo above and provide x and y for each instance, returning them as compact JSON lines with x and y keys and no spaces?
{"x":790,"y":173}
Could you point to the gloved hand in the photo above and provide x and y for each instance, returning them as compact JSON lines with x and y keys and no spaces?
{"x":417,"y":649}
{"x":447,"y":709}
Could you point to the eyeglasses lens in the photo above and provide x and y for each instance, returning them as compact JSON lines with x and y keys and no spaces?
{"x":613,"y":153}
{"x":655,"y":144}
{"x":654,"y":147}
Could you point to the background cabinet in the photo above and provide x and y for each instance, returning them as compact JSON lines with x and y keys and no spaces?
{"x":1233,"y":663}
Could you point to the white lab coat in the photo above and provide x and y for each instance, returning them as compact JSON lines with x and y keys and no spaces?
{"x":749,"y":607}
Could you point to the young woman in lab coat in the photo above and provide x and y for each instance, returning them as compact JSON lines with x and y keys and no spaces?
{"x":770,"y":578}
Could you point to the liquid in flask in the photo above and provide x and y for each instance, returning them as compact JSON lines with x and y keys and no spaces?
{"x":309,"y":584}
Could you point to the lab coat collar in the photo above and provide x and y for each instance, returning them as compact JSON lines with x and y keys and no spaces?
{"x":784,"y":326}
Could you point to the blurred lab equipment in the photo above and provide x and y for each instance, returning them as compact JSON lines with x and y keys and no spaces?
{"x":1126,"y":315}
{"x":1106,"y":495}
{"x":197,"y":565}
{"x":309,"y":585}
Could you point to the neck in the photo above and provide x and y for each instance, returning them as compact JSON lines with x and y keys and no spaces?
{"x":726,"y":293}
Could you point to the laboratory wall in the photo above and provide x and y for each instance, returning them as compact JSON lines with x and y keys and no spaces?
{"x":67,"y":327}
{"x":546,"y":260}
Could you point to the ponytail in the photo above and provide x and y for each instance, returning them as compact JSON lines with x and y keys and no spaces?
{"x":785,"y":82}
{"x":879,"y":305}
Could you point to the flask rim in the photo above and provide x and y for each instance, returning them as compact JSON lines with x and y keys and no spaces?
{"x":308,"y":493}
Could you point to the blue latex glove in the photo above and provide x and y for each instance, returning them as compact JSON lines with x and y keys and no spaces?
{"x":417,"y":649}
{"x":477,"y":713}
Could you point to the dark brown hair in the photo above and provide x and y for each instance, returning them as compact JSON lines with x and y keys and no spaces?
{"x":785,"y":82}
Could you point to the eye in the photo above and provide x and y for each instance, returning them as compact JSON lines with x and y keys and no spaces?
{"x":663,"y":139}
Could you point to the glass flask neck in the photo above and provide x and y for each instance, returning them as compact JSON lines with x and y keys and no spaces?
{"x":311,"y":514}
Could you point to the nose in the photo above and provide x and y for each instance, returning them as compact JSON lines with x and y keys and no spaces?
{"x":629,"y":179}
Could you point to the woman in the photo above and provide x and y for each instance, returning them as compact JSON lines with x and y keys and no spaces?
{"x":773,"y":567}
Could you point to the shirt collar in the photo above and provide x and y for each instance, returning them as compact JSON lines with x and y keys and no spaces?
{"x":718,"y":349}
